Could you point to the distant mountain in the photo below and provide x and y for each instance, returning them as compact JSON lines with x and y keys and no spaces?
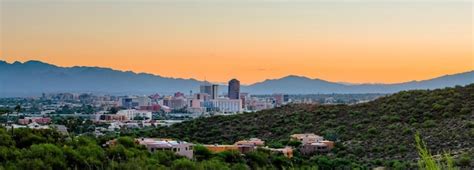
{"x":303,"y":85}
{"x":35,"y":77}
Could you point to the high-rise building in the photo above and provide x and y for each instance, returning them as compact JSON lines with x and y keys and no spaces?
{"x":234,"y":89}
{"x":244,"y":97}
{"x":206,"y":88}
{"x":215,"y":91}
{"x":211,"y":89}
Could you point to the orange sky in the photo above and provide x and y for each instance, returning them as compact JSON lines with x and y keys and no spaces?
{"x":252,"y":40}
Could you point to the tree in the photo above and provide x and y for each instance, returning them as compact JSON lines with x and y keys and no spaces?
{"x":213,"y":164}
{"x":7,"y":111}
{"x":257,"y":159}
{"x":113,"y":110}
{"x":202,"y":153}
{"x":231,"y":156}
{"x":50,"y":155}
{"x":17,"y":110}
{"x":294,"y":143}
{"x":183,"y":164}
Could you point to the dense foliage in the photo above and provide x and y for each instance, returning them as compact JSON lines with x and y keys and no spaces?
{"x":373,"y":132}
{"x":47,"y":149}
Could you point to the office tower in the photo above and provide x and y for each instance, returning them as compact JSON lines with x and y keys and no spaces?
{"x":215,"y":91}
{"x":212,"y":90}
{"x":206,"y":88}
{"x":234,"y":89}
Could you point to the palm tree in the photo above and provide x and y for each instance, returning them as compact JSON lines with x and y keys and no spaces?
{"x":17,"y":110}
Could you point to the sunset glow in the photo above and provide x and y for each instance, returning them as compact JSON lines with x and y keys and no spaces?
{"x":252,"y":40}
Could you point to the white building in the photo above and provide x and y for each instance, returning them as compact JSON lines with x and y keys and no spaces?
{"x":143,"y":101}
{"x":227,"y":105}
{"x":178,"y":147}
{"x":130,"y":114}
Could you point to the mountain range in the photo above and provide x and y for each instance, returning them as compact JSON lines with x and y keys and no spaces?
{"x":32,"y":78}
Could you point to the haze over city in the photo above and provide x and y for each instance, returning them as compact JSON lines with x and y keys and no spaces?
{"x":254,"y":40}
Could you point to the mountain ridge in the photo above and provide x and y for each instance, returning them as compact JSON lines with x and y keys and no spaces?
{"x":35,"y":77}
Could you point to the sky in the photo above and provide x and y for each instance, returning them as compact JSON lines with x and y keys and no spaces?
{"x":358,"y":41}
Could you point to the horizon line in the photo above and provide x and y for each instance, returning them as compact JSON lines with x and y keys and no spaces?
{"x":245,"y":84}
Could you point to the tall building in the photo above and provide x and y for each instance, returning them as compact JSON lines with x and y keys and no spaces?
{"x":244,"y":97}
{"x":234,"y":89}
{"x":215,"y":91}
{"x":211,"y":89}
{"x":206,"y":88}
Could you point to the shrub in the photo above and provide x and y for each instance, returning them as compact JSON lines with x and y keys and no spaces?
{"x":372,"y":131}
{"x":429,"y":123}
{"x":184,"y":164}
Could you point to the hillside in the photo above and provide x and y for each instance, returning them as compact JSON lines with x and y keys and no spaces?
{"x":32,"y":78}
{"x":382,"y":129}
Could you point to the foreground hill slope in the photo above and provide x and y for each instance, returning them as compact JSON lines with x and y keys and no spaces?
{"x":381,"y":129}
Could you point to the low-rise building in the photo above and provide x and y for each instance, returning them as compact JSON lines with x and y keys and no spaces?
{"x":130,"y":114}
{"x":307,"y":138}
{"x":240,"y":148}
{"x":251,"y":141}
{"x":221,"y":148}
{"x":39,"y":120}
{"x":311,"y":143}
{"x":226,"y":105}
{"x":113,"y":117}
{"x":287,"y":151}
{"x":179,"y":147}
{"x":312,"y":148}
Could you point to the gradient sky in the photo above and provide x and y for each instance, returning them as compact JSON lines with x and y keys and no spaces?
{"x":342,"y":40}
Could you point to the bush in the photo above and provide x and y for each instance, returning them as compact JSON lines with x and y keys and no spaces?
{"x":372,"y":131}
{"x":429,"y":124}
{"x":184,"y":164}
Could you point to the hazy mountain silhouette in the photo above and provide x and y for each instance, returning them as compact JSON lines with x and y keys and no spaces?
{"x":35,"y":77}
{"x":304,"y":85}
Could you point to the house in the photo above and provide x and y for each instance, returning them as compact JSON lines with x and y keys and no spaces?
{"x":309,"y":149}
{"x":311,"y":143}
{"x":251,"y":141}
{"x":178,"y":147}
{"x":287,"y":151}
{"x":307,"y":138}
{"x":243,"y":146}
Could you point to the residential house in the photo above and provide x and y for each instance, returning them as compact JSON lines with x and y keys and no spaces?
{"x":179,"y":147}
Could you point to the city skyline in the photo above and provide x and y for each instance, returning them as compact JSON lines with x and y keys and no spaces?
{"x":341,"y":41}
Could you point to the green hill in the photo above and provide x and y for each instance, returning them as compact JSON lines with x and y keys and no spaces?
{"x":379,"y":130}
